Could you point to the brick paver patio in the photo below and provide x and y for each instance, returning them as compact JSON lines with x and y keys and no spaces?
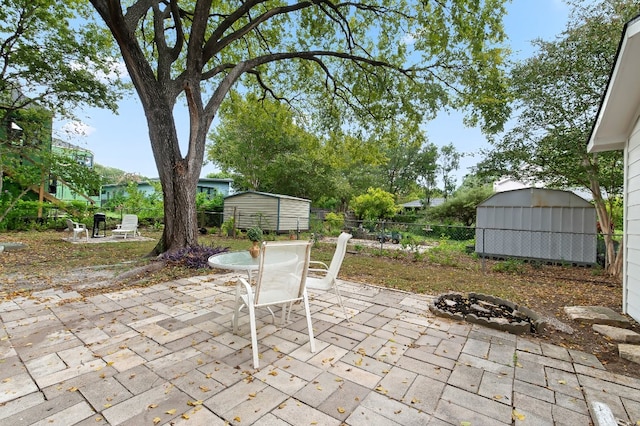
{"x":166,"y":355}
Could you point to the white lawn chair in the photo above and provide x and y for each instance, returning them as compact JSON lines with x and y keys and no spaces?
{"x":77,"y":228}
{"x":281,"y":281}
{"x":326,"y":276}
{"x":129,"y":225}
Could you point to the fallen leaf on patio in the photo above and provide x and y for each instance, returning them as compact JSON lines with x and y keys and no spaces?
{"x":156,"y":420}
{"x":397,"y":412}
{"x":341,"y":410}
{"x":339,"y":379}
{"x":273,"y":373}
{"x":414,"y":400}
{"x":358,"y":362}
{"x":204,"y":389}
{"x":152,"y":405}
{"x":465,"y":423}
{"x":517,"y":416}
{"x":362,"y":352}
{"x":275,"y":349}
{"x":381,"y":389}
{"x":7,"y":380}
{"x":72,"y":389}
{"x":237,"y":419}
{"x":497,"y":397}
{"x":107,"y":405}
{"x":281,"y":406}
{"x":185,"y":416}
{"x":319,"y":387}
{"x":562,"y":382}
{"x":252,"y":395}
{"x":172,"y":411}
{"x":194,"y":403}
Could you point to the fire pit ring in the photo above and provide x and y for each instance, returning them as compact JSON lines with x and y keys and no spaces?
{"x":488,"y":311}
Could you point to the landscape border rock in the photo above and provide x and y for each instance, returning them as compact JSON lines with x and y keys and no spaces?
{"x":488,"y":311}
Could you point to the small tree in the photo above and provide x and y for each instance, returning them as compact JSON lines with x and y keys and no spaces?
{"x":375,"y":204}
{"x":461,"y":208}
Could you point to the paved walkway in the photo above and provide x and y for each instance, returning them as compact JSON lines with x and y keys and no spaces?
{"x":166,"y":355}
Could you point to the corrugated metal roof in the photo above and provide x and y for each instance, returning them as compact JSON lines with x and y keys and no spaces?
{"x":418,"y":204}
{"x":267,"y":194}
{"x":535,"y":197}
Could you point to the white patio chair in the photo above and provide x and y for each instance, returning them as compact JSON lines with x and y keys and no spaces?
{"x":77,"y":228}
{"x":280,"y":281}
{"x":129,"y":225}
{"x":326,"y":276}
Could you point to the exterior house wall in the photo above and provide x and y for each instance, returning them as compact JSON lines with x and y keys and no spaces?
{"x":206,"y":185}
{"x":272,"y":212}
{"x":617,"y":128}
{"x":632,"y":224}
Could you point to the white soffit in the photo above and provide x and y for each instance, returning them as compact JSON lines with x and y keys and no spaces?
{"x":621,"y":103}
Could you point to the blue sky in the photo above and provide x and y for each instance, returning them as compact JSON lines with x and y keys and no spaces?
{"x":122,"y":140}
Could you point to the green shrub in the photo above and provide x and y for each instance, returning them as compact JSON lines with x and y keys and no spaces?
{"x":254,"y":233}
{"x":334,"y":220}
{"x":512,"y":266}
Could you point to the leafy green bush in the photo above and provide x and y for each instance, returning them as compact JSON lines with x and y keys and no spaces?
{"x":513,"y":266}
{"x":254,"y":233}
{"x":228,"y":227}
{"x":334,"y":220}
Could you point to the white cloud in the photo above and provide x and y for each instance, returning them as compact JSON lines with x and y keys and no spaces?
{"x":77,"y":128}
{"x":118,"y":70}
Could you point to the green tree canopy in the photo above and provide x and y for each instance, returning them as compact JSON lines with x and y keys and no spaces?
{"x":346,"y":66}
{"x":261,"y":145}
{"x":461,"y":207}
{"x":375,"y":204}
{"x":48,"y":59}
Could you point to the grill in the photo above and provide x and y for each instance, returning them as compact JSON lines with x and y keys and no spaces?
{"x":98,"y":219}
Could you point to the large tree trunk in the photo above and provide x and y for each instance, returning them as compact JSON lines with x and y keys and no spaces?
{"x":179,"y":177}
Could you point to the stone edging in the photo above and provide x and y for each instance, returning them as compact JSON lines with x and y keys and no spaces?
{"x":525,"y":320}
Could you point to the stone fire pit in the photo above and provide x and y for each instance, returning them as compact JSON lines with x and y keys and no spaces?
{"x":489,"y":311}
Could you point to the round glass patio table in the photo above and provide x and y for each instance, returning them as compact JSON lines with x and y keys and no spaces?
{"x":242,"y":261}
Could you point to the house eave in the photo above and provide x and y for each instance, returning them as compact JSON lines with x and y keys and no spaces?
{"x":618,"y":110}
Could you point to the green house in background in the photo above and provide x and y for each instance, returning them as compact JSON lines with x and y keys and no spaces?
{"x":27,"y":134}
{"x":210,"y":186}
{"x":24,"y":135}
{"x":81,"y":156}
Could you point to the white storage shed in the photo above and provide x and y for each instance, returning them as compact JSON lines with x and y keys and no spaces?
{"x":272,"y":212}
{"x":536,"y":223}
